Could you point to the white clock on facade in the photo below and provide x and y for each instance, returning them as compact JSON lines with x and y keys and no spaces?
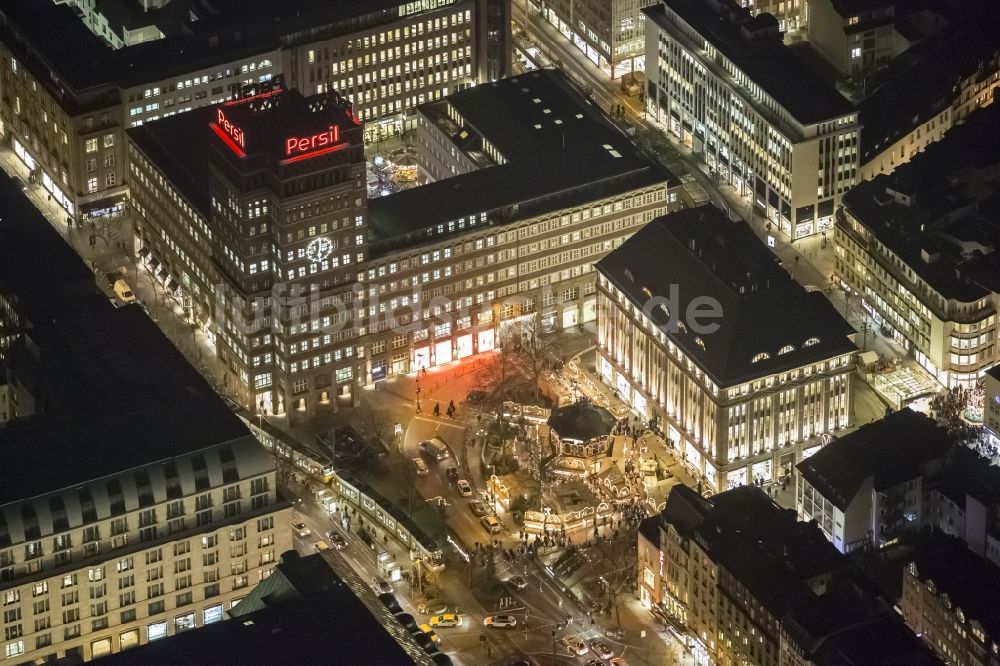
{"x":319,"y":249}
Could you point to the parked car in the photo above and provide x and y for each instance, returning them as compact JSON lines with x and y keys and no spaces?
{"x":301,"y":529}
{"x":381,"y":586}
{"x":452,"y":474}
{"x":339,"y":542}
{"x":601,"y":649}
{"x":320,"y":546}
{"x":618,"y":661}
{"x":123,"y":291}
{"x":500,"y":621}
{"x":575,"y":644}
{"x":420,"y":467}
{"x":478,"y":508}
{"x":518,"y":582}
{"x":426,"y":628}
{"x":446,"y":620}
{"x":464,"y":489}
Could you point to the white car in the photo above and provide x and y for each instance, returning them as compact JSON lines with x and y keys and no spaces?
{"x":575,"y":645}
{"x":601,"y":649}
{"x":301,"y":529}
{"x":518,"y":582}
{"x":500,"y":621}
{"x":464,"y":489}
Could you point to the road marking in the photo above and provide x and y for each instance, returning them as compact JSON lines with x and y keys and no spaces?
{"x":448,"y":423}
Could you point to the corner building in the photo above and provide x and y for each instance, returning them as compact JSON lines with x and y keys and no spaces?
{"x":725,"y":85}
{"x":742,"y":394}
{"x":279,"y":209}
{"x":541,"y":186}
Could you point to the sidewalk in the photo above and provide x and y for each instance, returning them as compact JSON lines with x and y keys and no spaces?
{"x":106,"y":255}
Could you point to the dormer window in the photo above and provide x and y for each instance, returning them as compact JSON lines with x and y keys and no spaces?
{"x":762,"y":356}
{"x":810,"y":342}
{"x":786,"y":349}
{"x":699,"y":342}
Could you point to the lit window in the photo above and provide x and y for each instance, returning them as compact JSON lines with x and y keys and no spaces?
{"x":762,"y":356}
{"x":856,"y":52}
{"x":91,"y":145}
{"x":786,"y":349}
{"x":810,"y":342}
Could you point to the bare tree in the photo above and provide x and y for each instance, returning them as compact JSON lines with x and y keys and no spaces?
{"x":376,"y":426}
{"x":536,"y":351}
{"x":618,"y":576}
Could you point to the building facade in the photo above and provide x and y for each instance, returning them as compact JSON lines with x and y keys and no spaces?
{"x":128,"y":559}
{"x":610,"y":34}
{"x":416,"y":279}
{"x":917,"y":251}
{"x":991,"y":403}
{"x":65,"y":120}
{"x":945,"y":588}
{"x":856,"y":39}
{"x":720,"y":81}
{"x":739,"y":403}
{"x":286,"y":217}
{"x":135,"y":504}
{"x":869,"y":488}
{"x":746,"y":584}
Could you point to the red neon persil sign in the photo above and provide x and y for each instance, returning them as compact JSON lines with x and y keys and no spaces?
{"x":231,"y":134}
{"x":300,"y":148}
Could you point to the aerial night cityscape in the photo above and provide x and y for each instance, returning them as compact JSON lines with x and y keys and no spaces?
{"x":500,"y":332}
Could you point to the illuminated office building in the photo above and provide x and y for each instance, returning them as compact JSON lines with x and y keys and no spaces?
{"x":743,"y":392}
{"x":70,"y":88}
{"x":918,"y":247}
{"x":723,"y":83}
{"x":543,"y":187}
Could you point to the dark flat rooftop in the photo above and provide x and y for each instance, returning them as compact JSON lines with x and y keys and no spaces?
{"x":312,"y":615}
{"x":562,"y":150}
{"x":945,"y":209}
{"x":115,"y":392}
{"x":767,"y":62}
{"x":168,"y":144}
{"x":920,"y":83}
{"x":892,"y":450}
{"x":181,"y":145}
{"x":731,"y":265}
{"x":225,"y":30}
{"x":39,"y":292}
{"x":761,"y":544}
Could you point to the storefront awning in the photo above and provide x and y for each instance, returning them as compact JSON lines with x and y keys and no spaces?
{"x":154,"y":262}
{"x":144,"y":252}
{"x":103,"y":206}
{"x":172,"y":284}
